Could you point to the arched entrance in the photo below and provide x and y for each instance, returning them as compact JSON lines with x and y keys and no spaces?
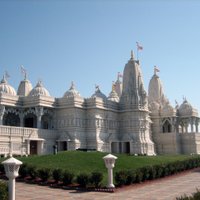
{"x":46,"y":122}
{"x":11,"y":119}
{"x":30,"y":121}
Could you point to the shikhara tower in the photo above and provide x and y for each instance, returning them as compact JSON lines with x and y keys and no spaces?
{"x":127,"y":121}
{"x":134,"y":113}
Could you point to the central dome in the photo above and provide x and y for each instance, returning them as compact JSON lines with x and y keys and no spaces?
{"x":99,"y":94}
{"x":72,"y":92}
{"x":39,"y":90}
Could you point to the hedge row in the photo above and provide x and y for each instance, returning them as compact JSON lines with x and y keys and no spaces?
{"x":3,"y":191}
{"x":127,"y":177}
{"x":66,"y":177}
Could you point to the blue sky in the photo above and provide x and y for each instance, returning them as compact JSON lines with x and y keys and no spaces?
{"x":89,"y":41}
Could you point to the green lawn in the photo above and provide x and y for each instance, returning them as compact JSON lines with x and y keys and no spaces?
{"x":77,"y":161}
{"x":89,"y":161}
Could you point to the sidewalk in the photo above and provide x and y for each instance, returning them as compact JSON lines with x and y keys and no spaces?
{"x":164,"y":189}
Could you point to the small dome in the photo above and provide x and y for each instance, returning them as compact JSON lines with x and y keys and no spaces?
{"x":24,"y":88}
{"x":72,"y":92}
{"x":39,"y":90}
{"x":113,"y":96}
{"x":168,"y":108}
{"x":99,"y":94}
{"x":186,"y":109}
{"x":6,"y":88}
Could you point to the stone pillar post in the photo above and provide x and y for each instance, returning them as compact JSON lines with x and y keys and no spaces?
{"x":2,"y":111}
{"x":110,"y":164}
{"x":11,"y":166}
{"x":39,"y":112}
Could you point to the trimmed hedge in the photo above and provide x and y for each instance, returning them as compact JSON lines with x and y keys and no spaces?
{"x":96,"y":178}
{"x":3,"y":191}
{"x":57,"y":175}
{"x":67,"y":177}
{"x":127,"y":177}
{"x":44,"y":174}
{"x":83,"y":179}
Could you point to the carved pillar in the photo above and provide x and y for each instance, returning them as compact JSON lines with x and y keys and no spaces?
{"x":2,"y":111}
{"x":192,"y":125}
{"x":39,"y":112}
{"x":197,"y":125}
{"x":21,"y":117}
{"x":28,"y":147}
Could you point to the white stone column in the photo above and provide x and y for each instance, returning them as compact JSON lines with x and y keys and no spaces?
{"x":39,"y":113}
{"x":2,"y":111}
{"x":21,"y":117}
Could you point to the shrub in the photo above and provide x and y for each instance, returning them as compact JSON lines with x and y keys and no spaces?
{"x":23,"y":170}
{"x":152,"y":172}
{"x":121,"y":177}
{"x":146,"y":173}
{"x":158,"y":170}
{"x":44,"y":174}
{"x":3,"y":191}
{"x":57,"y":174}
{"x":96,"y":178}
{"x":83,"y":179}
{"x":32,"y":171}
{"x":139,"y":176}
{"x":67,"y":177}
{"x":2,"y":169}
{"x":131,"y":177}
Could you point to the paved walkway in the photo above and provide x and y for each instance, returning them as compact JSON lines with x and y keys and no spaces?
{"x":163,"y":189}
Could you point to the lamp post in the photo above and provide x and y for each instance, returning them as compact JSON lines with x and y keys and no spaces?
{"x":11,"y":166}
{"x":110,"y":164}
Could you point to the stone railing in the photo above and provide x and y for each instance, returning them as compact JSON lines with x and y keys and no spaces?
{"x":24,"y":132}
{"x":13,"y":139}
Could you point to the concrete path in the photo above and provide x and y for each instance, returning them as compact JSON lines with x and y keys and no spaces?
{"x":164,"y":189}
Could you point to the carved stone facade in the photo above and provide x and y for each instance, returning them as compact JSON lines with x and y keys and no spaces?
{"x":127,"y":121}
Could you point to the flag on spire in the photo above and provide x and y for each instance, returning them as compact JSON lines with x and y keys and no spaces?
{"x":156,"y":70}
{"x":139,"y":47}
{"x":120,"y":75}
{"x":23,"y":71}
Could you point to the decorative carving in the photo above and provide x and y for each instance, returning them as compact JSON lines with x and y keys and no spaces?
{"x":39,"y":111}
{"x":2,"y":111}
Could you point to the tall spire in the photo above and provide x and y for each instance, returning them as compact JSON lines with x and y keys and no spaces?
{"x":23,"y":72}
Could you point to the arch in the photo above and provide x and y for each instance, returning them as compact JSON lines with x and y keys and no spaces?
{"x":30,"y":120}
{"x":46,"y":121}
{"x":167,"y":127}
{"x":11,"y":119}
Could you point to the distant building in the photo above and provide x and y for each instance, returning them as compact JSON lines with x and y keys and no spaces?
{"x":127,"y":121}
